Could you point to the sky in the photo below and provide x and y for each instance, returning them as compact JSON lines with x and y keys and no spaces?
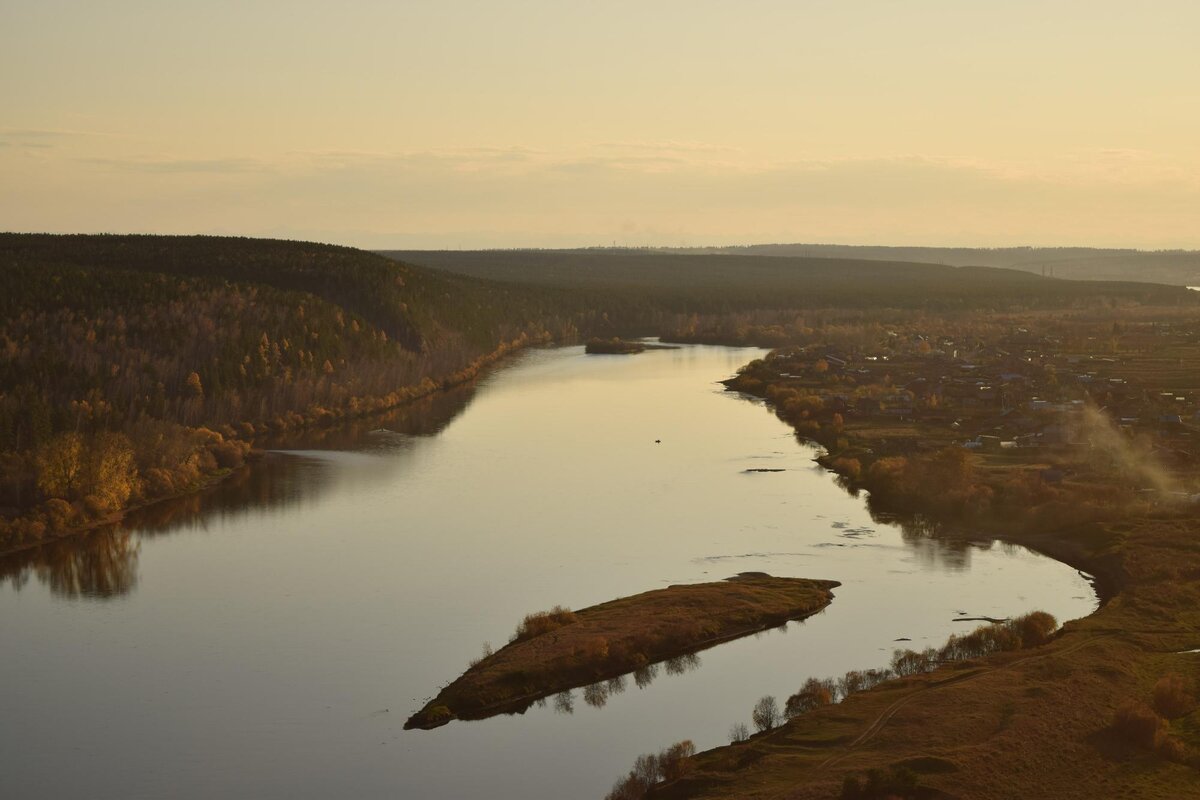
{"x":544,"y":124}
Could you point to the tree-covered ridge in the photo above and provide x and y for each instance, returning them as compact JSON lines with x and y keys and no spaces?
{"x":410,"y":304}
{"x":132,"y":367}
{"x":121,"y":382}
{"x":718,"y":283}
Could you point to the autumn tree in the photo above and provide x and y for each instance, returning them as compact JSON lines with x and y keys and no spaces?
{"x":111,"y":472}
{"x":812,"y":694}
{"x":194,"y":387}
{"x":60,"y":466}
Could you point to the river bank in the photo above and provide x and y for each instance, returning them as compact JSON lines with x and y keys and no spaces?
{"x":1030,"y":725}
{"x":306,"y":607}
{"x":47,"y":523}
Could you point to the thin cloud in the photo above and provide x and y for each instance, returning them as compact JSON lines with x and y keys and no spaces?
{"x":181,"y":165}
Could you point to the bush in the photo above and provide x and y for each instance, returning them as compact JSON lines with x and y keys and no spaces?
{"x":438,"y":714}
{"x":898,"y":782}
{"x":1035,"y":628}
{"x":543,"y":622}
{"x":851,"y":468}
{"x":1171,"y":696}
{"x":1137,"y":723}
{"x":738,"y":732}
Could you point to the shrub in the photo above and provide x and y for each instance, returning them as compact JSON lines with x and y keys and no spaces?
{"x":1136,"y":723}
{"x":1171,"y":696}
{"x":543,"y":622}
{"x":439,"y":713}
{"x":738,"y":732}
{"x":851,"y":468}
{"x":1035,"y":628}
{"x":897,"y":782}
{"x":59,"y":514}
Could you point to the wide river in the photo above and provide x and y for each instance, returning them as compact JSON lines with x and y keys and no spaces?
{"x":268,"y":639}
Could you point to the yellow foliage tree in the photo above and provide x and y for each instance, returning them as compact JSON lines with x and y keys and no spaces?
{"x":60,"y":465}
{"x":111,"y":475}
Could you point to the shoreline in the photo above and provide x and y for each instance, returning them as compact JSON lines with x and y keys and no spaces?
{"x":1142,"y":621}
{"x":212,"y":480}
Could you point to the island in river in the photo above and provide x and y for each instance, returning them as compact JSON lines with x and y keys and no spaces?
{"x":559,"y":650}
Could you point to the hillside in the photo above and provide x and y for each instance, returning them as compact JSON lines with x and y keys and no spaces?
{"x":137,"y":367}
{"x":716,"y":282}
{"x":1176,"y":267}
{"x":134,"y":367}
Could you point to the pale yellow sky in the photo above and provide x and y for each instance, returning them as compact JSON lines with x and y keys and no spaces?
{"x":469,"y":124}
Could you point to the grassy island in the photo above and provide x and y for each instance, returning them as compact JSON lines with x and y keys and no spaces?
{"x":560,"y":649}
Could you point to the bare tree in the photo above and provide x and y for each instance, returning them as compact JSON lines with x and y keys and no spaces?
{"x":766,"y":713}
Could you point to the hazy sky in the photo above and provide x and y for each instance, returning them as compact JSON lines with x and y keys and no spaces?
{"x":430,"y":124}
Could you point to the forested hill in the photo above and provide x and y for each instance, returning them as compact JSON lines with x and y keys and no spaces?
{"x":709,"y":282}
{"x":133,"y":366}
{"x":1177,"y":267}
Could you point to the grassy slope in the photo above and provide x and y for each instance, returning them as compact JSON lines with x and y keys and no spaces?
{"x":620,"y":636}
{"x":1015,"y":725}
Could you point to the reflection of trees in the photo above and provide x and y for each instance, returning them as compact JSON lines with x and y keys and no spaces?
{"x":934,"y":544}
{"x":104,"y":563}
{"x":645,"y":676}
{"x":564,"y":702}
{"x":427,"y":416}
{"x":681,"y":664}
{"x":595,"y":695}
{"x":101,"y":563}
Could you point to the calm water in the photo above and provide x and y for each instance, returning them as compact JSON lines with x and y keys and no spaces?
{"x":269,"y":639}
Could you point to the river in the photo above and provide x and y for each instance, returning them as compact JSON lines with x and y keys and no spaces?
{"x":269,"y":637}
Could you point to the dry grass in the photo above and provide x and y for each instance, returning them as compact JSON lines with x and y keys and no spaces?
{"x":562,"y":650}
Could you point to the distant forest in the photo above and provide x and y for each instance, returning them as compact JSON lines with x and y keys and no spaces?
{"x":745,"y":278}
{"x":1176,"y":267}
{"x":137,"y":367}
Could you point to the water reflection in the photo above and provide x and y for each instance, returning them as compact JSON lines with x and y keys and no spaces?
{"x":681,"y":664}
{"x":97,"y":564}
{"x":597,"y":694}
{"x":935,"y":545}
{"x":645,"y":676}
{"x":103,"y":563}
{"x":272,"y":636}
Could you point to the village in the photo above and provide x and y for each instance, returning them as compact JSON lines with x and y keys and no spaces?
{"x":1069,"y":401}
